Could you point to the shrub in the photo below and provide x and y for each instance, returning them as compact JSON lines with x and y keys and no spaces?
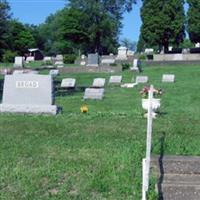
{"x":9,"y":56}
{"x":125,"y":66}
{"x":142,"y":57}
{"x":69,"y":58}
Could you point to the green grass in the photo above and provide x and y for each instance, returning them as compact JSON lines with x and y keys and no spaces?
{"x":97,"y":155}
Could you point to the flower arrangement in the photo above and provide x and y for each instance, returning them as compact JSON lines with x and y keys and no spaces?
{"x":84,"y":109}
{"x":156,"y":92}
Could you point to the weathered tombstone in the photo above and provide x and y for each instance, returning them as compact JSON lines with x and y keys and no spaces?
{"x":122,"y":53}
{"x":168,"y":78}
{"x":99,"y":82}
{"x":115,"y":79}
{"x":47,"y":58}
{"x":108,"y":61}
{"x":142,"y":79}
{"x":94,"y":93}
{"x":19,"y":62}
{"x":93,"y":60}
{"x":28,"y":93}
{"x":68,"y":83}
{"x":136,"y":65}
{"x":54,"y":72}
{"x":59,"y":63}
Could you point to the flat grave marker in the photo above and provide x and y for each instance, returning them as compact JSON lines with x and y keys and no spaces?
{"x":94,"y":93}
{"x":68,"y":83}
{"x":168,"y":78}
{"x":54,"y":72}
{"x":99,"y":82}
{"x":115,"y":79}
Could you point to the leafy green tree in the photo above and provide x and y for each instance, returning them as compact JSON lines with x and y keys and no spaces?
{"x":104,"y":21}
{"x":193,"y":20}
{"x":4,"y":17}
{"x":163,"y":23}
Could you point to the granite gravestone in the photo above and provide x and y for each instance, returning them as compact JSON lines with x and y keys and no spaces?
{"x":93,"y":60}
{"x":142,"y":79}
{"x":168,"y":78}
{"x":99,"y":82}
{"x":19,"y":62}
{"x":115,"y":79}
{"x":68,"y":83}
{"x":94,"y":93}
{"x":28,"y":93}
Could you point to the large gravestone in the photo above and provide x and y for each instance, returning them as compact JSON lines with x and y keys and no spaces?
{"x":68,"y":83}
{"x":28,"y":93}
{"x":142,"y":79}
{"x":19,"y":62}
{"x":168,"y":78}
{"x":122,"y":53}
{"x":115,"y":79}
{"x":99,"y":82}
{"x":93,"y":93}
{"x":93,"y":60}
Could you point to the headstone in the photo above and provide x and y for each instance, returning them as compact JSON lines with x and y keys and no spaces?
{"x":142,"y":79}
{"x":54,"y":72}
{"x":19,"y":62}
{"x":47,"y":58}
{"x":59,"y":57}
{"x":68,"y":83}
{"x":93,"y":93}
{"x":99,"y":82}
{"x":122,"y":53}
{"x":170,"y":48}
{"x":148,"y":51}
{"x":93,"y":60}
{"x":136,"y":66}
{"x":115,"y":79}
{"x":28,"y":93}
{"x":108,"y":61}
{"x":60,"y":66}
{"x":30,"y":59}
{"x":59,"y":63}
{"x":197,"y":45}
{"x":168,"y":78}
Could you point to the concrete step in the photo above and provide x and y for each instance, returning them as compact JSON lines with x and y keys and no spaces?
{"x":176,"y":164}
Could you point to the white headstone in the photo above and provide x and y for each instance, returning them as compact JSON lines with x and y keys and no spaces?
{"x":59,"y":57}
{"x":19,"y":61}
{"x":142,"y":79}
{"x":68,"y":83}
{"x":93,"y":93}
{"x":115,"y":79}
{"x":54,"y":72}
{"x":99,"y":82}
{"x":59,"y":63}
{"x":47,"y":58}
{"x":148,"y":50}
{"x":108,"y":61}
{"x":28,"y":93}
{"x":168,"y":78}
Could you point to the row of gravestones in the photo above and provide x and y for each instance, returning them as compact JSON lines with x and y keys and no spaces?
{"x":33,"y":93}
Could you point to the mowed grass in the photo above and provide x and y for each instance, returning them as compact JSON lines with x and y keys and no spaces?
{"x":97,"y":155}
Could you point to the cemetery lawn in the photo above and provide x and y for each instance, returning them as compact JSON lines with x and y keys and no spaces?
{"x":97,"y":155}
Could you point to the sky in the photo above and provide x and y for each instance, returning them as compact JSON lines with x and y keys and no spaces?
{"x":36,"y":11}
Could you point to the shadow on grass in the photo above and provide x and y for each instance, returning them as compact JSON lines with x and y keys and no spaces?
{"x":160,"y":161}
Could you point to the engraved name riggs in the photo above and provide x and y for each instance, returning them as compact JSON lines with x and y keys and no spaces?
{"x":27,"y":84}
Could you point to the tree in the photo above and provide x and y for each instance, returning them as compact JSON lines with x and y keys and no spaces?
{"x":163,"y":23}
{"x":4,"y":16}
{"x":193,"y":20}
{"x":104,"y":21}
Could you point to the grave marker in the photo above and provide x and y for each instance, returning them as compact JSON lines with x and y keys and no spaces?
{"x":93,"y":60}
{"x":19,"y":62}
{"x":168,"y":78}
{"x":68,"y":83}
{"x":54,"y":72}
{"x":115,"y":79}
{"x":93,"y":93}
{"x":28,"y":93}
{"x":99,"y":82}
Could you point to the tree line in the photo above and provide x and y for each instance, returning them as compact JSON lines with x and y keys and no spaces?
{"x":164,"y":24}
{"x":88,"y":26}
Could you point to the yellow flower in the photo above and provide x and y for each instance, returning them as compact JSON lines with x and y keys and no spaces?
{"x":84,"y":109}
